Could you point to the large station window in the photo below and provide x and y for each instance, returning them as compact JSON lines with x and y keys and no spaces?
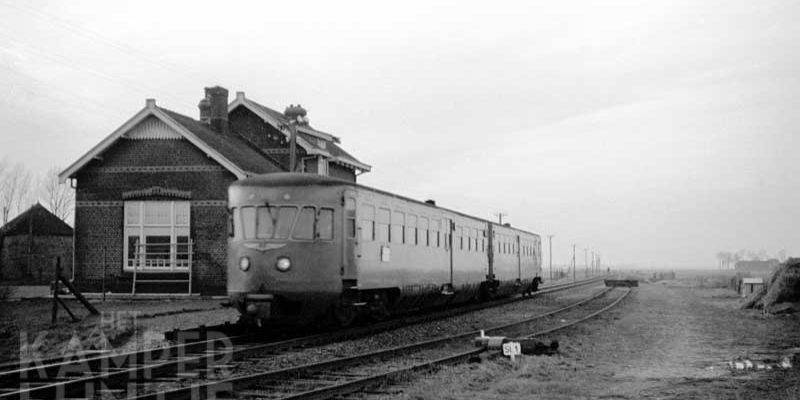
{"x":156,"y":235}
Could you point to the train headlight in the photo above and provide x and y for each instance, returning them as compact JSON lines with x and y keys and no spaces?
{"x":283,"y":264}
{"x":244,"y":264}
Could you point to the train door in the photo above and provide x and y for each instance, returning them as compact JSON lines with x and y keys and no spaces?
{"x":349,"y":241}
{"x":490,"y":251}
{"x":519,"y":259}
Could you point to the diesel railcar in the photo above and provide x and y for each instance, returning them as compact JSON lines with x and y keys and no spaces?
{"x":306,"y":248}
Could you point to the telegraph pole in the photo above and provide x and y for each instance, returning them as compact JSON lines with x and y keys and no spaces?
{"x":593,"y":262}
{"x":500,"y":216}
{"x":573,"y":262}
{"x":586,"y":260}
{"x":551,"y":255}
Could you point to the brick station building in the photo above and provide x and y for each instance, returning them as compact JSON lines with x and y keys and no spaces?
{"x":151,"y":197}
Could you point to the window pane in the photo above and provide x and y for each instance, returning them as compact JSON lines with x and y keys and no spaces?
{"x":383,"y":216}
{"x":325,"y":224}
{"x":249,"y":222}
{"x":133,"y":249}
{"x":422,"y":233}
{"x":181,"y":213}
{"x":351,"y":227}
{"x":132,"y":212}
{"x":367,"y":229}
{"x":182,"y":251}
{"x":264,"y":227}
{"x":157,"y":251}
{"x":283,"y":224}
{"x":157,"y":213}
{"x":383,"y":232}
{"x":304,"y":228}
{"x":237,"y":223}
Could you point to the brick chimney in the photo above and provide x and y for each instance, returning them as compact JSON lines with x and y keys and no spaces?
{"x":217,"y":98}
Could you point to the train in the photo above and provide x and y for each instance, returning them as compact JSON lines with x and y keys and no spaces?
{"x":305,"y":248}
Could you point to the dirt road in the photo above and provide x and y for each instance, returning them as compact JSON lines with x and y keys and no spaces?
{"x":664,"y":342}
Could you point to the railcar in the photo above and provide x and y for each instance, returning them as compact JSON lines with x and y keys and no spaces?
{"x":306,"y":248}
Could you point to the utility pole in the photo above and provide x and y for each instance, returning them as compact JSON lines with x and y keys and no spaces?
{"x":586,"y":260}
{"x":573,"y":262}
{"x":593,"y":262}
{"x":500,"y":216}
{"x":551,"y":255}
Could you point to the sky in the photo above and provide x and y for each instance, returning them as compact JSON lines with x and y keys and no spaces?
{"x":654,"y":133}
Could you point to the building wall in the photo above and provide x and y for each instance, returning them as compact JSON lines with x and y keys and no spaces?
{"x":131,"y":165}
{"x":16,"y":267}
{"x":262,"y":135}
{"x":275,"y":143}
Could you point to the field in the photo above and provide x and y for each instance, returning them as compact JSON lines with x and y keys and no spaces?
{"x":672,"y":339}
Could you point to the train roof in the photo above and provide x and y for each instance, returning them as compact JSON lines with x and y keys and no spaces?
{"x":303,"y":179}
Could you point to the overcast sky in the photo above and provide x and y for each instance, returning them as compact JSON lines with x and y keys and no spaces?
{"x":655,"y":133}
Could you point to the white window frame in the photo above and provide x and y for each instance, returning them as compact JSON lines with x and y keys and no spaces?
{"x":141,"y":229}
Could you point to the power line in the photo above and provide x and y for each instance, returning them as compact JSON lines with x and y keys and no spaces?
{"x":92,"y":35}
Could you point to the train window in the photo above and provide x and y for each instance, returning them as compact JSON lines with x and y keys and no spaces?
{"x":325,"y":224}
{"x":411,"y":229}
{"x":264,"y":223}
{"x":284,"y":220}
{"x":398,"y":226}
{"x":249,"y":222}
{"x":368,"y":222}
{"x":422,"y":232}
{"x":304,"y":227}
{"x":383,"y":224}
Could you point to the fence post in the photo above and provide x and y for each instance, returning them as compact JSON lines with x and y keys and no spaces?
{"x":57,"y":274}
{"x":135,"y":266}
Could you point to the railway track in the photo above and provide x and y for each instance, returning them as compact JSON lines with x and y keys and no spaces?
{"x":115,"y":375}
{"x":340,"y":376}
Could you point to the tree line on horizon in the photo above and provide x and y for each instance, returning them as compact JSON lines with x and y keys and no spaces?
{"x":20,"y":189}
{"x":728,"y":259}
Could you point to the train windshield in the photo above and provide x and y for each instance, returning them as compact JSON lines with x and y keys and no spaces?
{"x":283,"y":222}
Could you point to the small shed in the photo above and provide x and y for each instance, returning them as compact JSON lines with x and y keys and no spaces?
{"x":750,"y":285}
{"x":29,"y":245}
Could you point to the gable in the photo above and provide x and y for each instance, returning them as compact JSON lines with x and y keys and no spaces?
{"x":158,"y":122}
{"x":152,"y":128}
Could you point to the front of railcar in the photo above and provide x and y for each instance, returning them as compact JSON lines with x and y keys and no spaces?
{"x":284,"y":247}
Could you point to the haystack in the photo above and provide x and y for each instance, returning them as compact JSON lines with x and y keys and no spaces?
{"x":783,"y":287}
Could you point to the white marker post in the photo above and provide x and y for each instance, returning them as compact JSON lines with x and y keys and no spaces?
{"x":512,"y":349}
